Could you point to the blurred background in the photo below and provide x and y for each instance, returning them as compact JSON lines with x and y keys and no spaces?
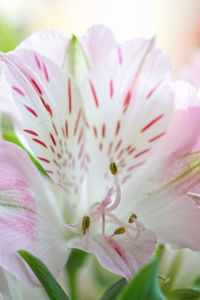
{"x":176,"y":23}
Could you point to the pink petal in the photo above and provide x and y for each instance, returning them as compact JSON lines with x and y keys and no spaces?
{"x":29,"y":216}
{"x":119,"y":255}
{"x":191,"y":71}
{"x":7,"y":105}
{"x":163,"y":201}
{"x":98,"y":42}
{"x":49,"y":43}
{"x":53,"y":117}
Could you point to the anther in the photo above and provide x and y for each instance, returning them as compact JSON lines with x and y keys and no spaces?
{"x":85,"y":224}
{"x":132,"y":217}
{"x":120,"y":230}
{"x":113,"y":168}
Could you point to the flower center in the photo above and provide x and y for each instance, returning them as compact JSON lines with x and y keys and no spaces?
{"x":102,"y":212}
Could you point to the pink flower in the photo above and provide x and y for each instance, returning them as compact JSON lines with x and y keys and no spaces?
{"x":121,"y":111}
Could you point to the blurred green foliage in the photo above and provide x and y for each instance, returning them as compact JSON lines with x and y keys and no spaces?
{"x":10,"y":36}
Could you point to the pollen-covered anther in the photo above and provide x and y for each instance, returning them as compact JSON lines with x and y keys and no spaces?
{"x":132,"y":217}
{"x":120,"y":230}
{"x":113,"y":168}
{"x":85,"y":224}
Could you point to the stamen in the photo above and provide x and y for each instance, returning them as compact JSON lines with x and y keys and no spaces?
{"x":132,"y":218}
{"x":120,"y":230}
{"x":113,"y":168}
{"x":118,"y":195}
{"x":194,"y":196}
{"x":85,"y":224}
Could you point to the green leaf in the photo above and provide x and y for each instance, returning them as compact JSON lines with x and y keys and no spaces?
{"x":113,"y":291}
{"x":184,"y":294}
{"x":51,"y":286}
{"x":145,"y":285}
{"x":75,"y":261}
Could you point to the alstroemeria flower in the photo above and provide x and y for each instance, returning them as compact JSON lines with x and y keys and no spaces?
{"x":121,"y":114}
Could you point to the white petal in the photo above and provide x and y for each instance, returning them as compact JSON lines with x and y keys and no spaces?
{"x":128,"y":105}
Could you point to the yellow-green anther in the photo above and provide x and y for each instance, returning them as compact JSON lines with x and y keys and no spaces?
{"x":132,"y":217}
{"x":113,"y":168}
{"x":120,"y":230}
{"x":85,"y":224}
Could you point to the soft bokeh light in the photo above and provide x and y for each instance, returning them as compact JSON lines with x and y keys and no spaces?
{"x":175,"y":22}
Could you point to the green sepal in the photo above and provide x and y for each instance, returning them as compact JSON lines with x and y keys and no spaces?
{"x":76,"y":61}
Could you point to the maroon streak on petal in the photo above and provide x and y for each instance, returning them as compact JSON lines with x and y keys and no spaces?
{"x":153,"y":90}
{"x":52,"y":138}
{"x":94,"y":93}
{"x":18,"y":90}
{"x":142,"y":152}
{"x":156,"y":137}
{"x":152,"y":123}
{"x":49,"y":171}
{"x":40,"y":142}
{"x":31,"y":110}
{"x":46,"y":106}
{"x":131,"y":151}
{"x":119,"y":55}
{"x":44,"y":159}
{"x":103,"y":130}
{"x":118,"y":145}
{"x":45,"y":72}
{"x":100,"y":146}
{"x":135,"y":166}
{"x":95,"y":131}
{"x":66,"y":128}
{"x":127,"y":101}
{"x":31,"y":132}
{"x":119,"y":250}
{"x":55,"y":129}
{"x":111,"y":89}
{"x":80,"y":135}
{"x":37,"y":60}
{"x":118,"y":127}
{"x":36,"y":86}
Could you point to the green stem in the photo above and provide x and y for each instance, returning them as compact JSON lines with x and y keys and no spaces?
{"x":74,"y":295}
